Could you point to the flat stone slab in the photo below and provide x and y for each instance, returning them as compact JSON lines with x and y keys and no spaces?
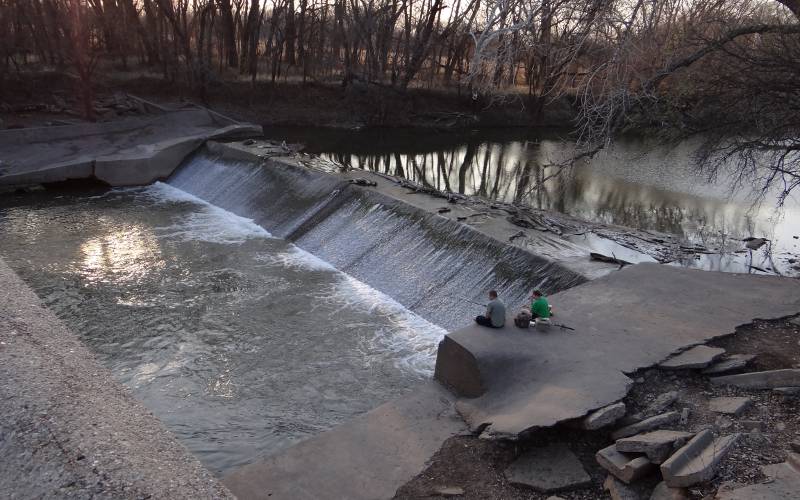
{"x":732,"y":362}
{"x":367,"y":457}
{"x":761,"y":380}
{"x":729,"y":406}
{"x":697,"y":357}
{"x":528,"y":379}
{"x":657,"y":445}
{"x":624,"y":466}
{"x":647,"y":424}
{"x":784,"y":484}
{"x":697,"y":461}
{"x":604,"y":417}
{"x":548,"y":470}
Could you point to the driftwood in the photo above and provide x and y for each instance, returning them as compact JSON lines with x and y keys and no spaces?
{"x":611,"y":260}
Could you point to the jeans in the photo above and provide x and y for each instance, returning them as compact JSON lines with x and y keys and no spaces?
{"x":484,"y":321}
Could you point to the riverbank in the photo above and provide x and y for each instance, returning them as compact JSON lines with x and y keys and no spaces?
{"x":42,"y":98}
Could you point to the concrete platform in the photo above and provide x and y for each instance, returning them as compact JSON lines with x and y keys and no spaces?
{"x":368,"y":457}
{"x":130,"y":151}
{"x":631,"y":319}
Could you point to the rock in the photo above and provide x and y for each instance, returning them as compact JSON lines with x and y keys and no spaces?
{"x":685,"y":416}
{"x":795,"y":446}
{"x":732,"y":362}
{"x":788,"y":392}
{"x":624,"y":466}
{"x":780,"y":426}
{"x":697,"y":357}
{"x":449,"y":491}
{"x":360,"y":181}
{"x":549,"y":469}
{"x":646,"y":425}
{"x":796,"y":319}
{"x":554,"y":497}
{"x":722,"y":422}
{"x":697,"y":461}
{"x":660,"y":404}
{"x":664,"y":492}
{"x":761,"y":380}
{"x":604,"y":416}
{"x":752,"y":425}
{"x":657,"y":445}
{"x":619,"y":490}
{"x":729,"y":406}
{"x":249,"y":142}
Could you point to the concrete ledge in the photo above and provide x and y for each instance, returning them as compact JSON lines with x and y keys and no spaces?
{"x":458,"y":369}
{"x":67,"y":429}
{"x":367,"y":458}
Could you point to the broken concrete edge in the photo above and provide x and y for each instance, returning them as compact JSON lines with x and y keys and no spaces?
{"x":673,"y":469}
{"x":769,"y":379}
{"x":68,"y":428}
{"x":140,"y":165}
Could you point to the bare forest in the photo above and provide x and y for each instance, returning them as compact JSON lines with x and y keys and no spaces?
{"x":728,"y":69}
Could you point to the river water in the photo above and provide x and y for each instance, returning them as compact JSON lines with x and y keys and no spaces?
{"x":241,"y":343}
{"x":637,"y":183}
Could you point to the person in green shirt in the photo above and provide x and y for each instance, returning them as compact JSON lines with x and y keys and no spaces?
{"x":540,"y":308}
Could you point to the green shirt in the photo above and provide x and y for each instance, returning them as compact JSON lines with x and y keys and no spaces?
{"x":540,"y":308}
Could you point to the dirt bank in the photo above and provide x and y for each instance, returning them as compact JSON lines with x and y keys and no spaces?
{"x":477,"y":465}
{"x":42,"y":97}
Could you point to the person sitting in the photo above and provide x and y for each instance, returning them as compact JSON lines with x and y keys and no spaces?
{"x":540,"y":308}
{"x":495,"y":316}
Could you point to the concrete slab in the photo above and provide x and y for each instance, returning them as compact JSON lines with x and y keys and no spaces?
{"x":368,"y":457}
{"x":656,"y":445}
{"x":604,"y":417}
{"x":626,"y":467}
{"x":729,"y":406}
{"x":697,"y":461}
{"x":125,"y":152}
{"x":618,"y":490}
{"x":761,"y":380}
{"x":696,"y":357}
{"x":548,"y":470}
{"x":664,"y":492}
{"x":730,"y":363}
{"x":647,"y":424}
{"x":784,"y":484}
{"x":631,"y":319}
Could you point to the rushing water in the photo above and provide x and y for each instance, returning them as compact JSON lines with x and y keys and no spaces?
{"x":638,"y":183}
{"x":241,"y":343}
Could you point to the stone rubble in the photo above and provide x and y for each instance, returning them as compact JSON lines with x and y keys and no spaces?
{"x":604,"y":417}
{"x":660,"y":404}
{"x":697,"y":357}
{"x":657,"y":445}
{"x":619,"y":490}
{"x":625,"y":467}
{"x":646,"y":425}
{"x":730,"y":406}
{"x":664,"y":492}
{"x":732,"y":362}
{"x":761,"y":380}
{"x":697,"y":461}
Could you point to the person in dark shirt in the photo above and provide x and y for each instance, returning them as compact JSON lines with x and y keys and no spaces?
{"x":495,"y":316}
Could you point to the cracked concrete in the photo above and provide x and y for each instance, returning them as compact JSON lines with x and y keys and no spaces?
{"x":632,"y":319}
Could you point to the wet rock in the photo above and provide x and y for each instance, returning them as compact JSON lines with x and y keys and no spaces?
{"x":697,"y":357}
{"x":443,"y":210}
{"x":619,"y":490}
{"x":360,"y":181}
{"x":624,"y":466}
{"x":549,"y":469}
{"x":697,"y":461}
{"x":646,"y":425}
{"x":733,"y":362}
{"x":761,"y":380}
{"x":664,"y":492}
{"x":729,"y":406}
{"x":656,"y":445}
{"x":449,"y":491}
{"x":604,"y":416}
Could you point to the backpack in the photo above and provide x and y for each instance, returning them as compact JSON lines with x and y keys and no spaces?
{"x":523,"y":319}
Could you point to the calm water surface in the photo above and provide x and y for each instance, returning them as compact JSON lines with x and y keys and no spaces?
{"x":638,"y":183}
{"x":239,"y":342}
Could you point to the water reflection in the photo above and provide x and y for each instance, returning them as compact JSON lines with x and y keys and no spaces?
{"x":640,"y":184}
